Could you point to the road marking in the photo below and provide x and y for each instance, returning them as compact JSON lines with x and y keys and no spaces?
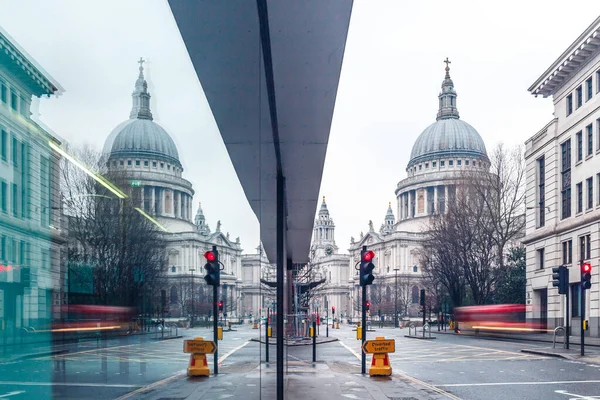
{"x":428,"y":386}
{"x":13,"y":393}
{"x":116,"y":385}
{"x":152,"y":385}
{"x":576,"y":396}
{"x":222,"y":358}
{"x":514,"y":383}
{"x":350,"y":350}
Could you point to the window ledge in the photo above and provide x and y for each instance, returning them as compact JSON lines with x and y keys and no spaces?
{"x":539,"y":270}
{"x":589,"y":210}
{"x":579,"y":163}
{"x":589,"y":156}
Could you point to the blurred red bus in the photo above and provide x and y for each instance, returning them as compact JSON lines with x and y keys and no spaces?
{"x":79,"y":318}
{"x":504,"y":318}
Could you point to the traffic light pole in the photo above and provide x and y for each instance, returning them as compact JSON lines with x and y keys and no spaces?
{"x":215,"y":329}
{"x":582,"y":310}
{"x":267,"y":338}
{"x":567,"y":323}
{"x":363,"y":368}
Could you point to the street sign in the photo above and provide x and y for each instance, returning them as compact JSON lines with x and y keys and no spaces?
{"x":199,"y":346}
{"x":379,"y":346}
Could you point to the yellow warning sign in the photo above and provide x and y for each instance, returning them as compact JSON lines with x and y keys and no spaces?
{"x":199,"y":346}
{"x":379,"y":346}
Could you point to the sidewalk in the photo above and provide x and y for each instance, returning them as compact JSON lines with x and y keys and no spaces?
{"x":591,"y":355}
{"x":315,"y":382}
{"x":532,"y":337}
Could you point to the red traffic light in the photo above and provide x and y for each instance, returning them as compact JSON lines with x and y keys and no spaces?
{"x":586,"y":268}
{"x":369,"y":255}
{"x":220,"y":304}
{"x":210,"y":256}
{"x":368,"y":304}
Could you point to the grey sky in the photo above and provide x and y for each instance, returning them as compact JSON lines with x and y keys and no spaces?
{"x":391,"y":76}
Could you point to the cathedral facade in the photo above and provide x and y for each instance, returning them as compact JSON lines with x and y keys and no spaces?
{"x":144,"y":157}
{"x":439,"y":156}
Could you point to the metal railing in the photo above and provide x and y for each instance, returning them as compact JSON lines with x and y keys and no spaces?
{"x":564,"y":332}
{"x":426,"y":328}
{"x":412,"y":326}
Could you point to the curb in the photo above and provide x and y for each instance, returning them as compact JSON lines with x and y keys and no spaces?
{"x":547,"y":353}
{"x":171,"y":337}
{"x":309,"y":343}
{"x":420,"y":337}
{"x":36,"y":355}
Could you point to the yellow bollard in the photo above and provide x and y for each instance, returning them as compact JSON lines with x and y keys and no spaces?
{"x":269,"y":332}
{"x":380,"y":364}
{"x":311,"y":332}
{"x":358,"y":333}
{"x":220,"y":332}
{"x":198,"y":364}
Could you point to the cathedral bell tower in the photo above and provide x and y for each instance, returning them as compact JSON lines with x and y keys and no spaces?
{"x":323,"y":243}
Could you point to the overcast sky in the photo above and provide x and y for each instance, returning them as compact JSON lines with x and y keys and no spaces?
{"x":388,"y":91}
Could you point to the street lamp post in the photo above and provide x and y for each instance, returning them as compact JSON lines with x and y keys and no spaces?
{"x":396,"y":300}
{"x":192,"y":317}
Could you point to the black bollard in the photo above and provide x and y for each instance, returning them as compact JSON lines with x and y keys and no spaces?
{"x":314,"y":341}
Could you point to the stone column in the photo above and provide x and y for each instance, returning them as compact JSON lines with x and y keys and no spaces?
{"x":152,"y":200}
{"x":435,"y":199}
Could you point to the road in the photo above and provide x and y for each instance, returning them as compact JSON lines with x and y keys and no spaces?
{"x":106,"y":369}
{"x":452,"y":365}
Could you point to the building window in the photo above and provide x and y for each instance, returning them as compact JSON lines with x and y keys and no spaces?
{"x":567,"y":252}
{"x":3,"y":92}
{"x":590,"y":139}
{"x":588,"y":89}
{"x":15,"y":200}
{"x":4,"y":145}
{"x":137,"y":163}
{"x":434,"y":164}
{"x":598,"y":134}
{"x":121,"y":163}
{"x":579,"y":146}
{"x":458,"y":162}
{"x":420,"y":167}
{"x":566,"y":178}
{"x":451,"y":163}
{"x":154,"y":164}
{"x":540,"y":258}
{"x":585,"y":248}
{"x":415,"y":295}
{"x":145,"y":163}
{"x":569,"y":105}
{"x":442,"y":163}
{"x":14,"y":104}
{"x":576,"y":300}
{"x":162,"y":165}
{"x":541,"y":191}
{"x":4,"y":194}
{"x":590,"y":192}
{"x":579,"y":197}
{"x":415,"y":269}
{"x":597,"y":81}
{"x":579,"y":92}
{"x":426,"y":165}
{"x":129,"y":162}
{"x":598,"y":185}
{"x":466,"y":162}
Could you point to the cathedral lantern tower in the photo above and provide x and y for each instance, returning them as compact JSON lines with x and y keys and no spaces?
{"x":323,"y":242}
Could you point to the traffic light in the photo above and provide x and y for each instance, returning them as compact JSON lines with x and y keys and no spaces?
{"x":586,"y":276}
{"x":560,"y":279}
{"x":213,"y":270}
{"x":367,"y":306}
{"x":220,"y":306}
{"x":366,"y":267}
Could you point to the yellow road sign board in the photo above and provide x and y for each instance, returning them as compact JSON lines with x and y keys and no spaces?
{"x":199,"y":346}
{"x":379,"y":346}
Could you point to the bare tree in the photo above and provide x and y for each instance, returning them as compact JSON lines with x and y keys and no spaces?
{"x":123,"y":248}
{"x":466,"y":246}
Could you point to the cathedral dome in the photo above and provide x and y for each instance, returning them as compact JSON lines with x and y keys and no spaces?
{"x":140,"y":136}
{"x":448,"y":136}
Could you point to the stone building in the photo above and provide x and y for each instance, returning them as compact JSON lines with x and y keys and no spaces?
{"x":32,"y":280}
{"x":144,"y":157}
{"x":563,"y":186}
{"x":439,"y":155}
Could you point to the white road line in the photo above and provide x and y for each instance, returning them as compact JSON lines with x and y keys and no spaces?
{"x":350,"y":350}
{"x":514,"y":383}
{"x":222,"y":358}
{"x":12,"y":393}
{"x":152,"y":385}
{"x":116,"y":385}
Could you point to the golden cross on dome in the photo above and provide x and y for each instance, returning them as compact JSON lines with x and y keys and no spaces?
{"x":141,"y":62}
{"x":447,"y":62}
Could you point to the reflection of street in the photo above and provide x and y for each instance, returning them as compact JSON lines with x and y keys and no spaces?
{"x":106,"y":369}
